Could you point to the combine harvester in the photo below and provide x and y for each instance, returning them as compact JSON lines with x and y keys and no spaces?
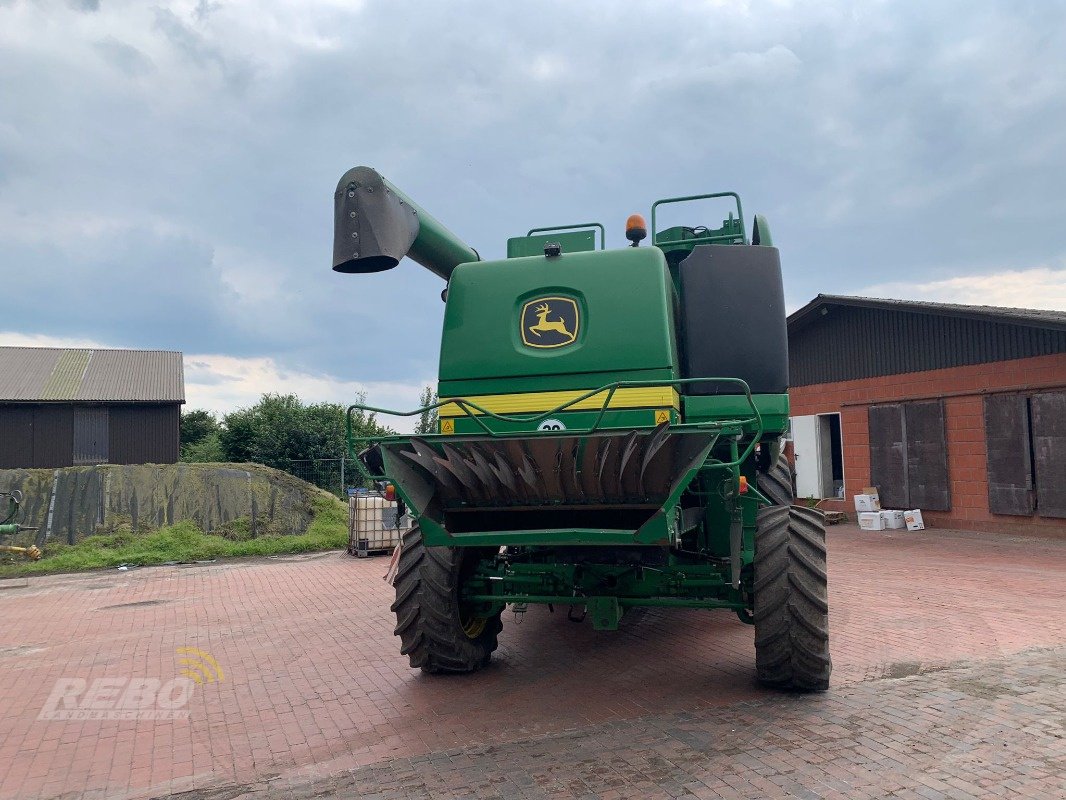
{"x":610,"y":432}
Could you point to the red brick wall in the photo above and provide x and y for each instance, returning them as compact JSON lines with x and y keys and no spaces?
{"x":963,"y":390}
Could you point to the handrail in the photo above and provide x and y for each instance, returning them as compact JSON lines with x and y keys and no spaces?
{"x":610,"y":388}
{"x":668,"y":200}
{"x":603,"y":234}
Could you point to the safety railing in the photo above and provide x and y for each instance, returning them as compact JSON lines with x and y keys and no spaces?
{"x":710,"y":237}
{"x":477,"y":413}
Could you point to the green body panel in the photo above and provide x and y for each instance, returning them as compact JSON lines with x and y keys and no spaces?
{"x":625,"y":319}
{"x":570,"y":241}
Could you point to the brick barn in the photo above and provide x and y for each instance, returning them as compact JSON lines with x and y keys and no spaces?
{"x":957,"y":410}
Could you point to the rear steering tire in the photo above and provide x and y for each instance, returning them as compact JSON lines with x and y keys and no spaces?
{"x":791,"y":599}
{"x":436,"y":632}
{"x":776,"y":482}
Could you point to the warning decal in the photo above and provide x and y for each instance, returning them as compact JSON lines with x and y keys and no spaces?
{"x":662,"y":415}
{"x":447,"y":426}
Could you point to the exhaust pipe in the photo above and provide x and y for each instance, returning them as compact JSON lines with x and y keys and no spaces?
{"x":375,"y":225}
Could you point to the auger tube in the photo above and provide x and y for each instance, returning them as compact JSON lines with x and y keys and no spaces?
{"x":375,"y":225}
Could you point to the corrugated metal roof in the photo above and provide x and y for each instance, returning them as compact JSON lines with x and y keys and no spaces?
{"x":43,"y":374}
{"x":838,"y":338}
{"x":1032,"y":317}
{"x":66,"y":376}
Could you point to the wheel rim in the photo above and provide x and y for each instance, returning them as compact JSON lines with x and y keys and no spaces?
{"x":473,"y":626}
{"x":472,"y":623}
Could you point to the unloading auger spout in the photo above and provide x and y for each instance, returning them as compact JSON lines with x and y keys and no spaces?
{"x":375,"y":225}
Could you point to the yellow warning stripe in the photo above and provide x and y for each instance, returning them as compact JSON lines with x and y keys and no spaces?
{"x":532,"y":402}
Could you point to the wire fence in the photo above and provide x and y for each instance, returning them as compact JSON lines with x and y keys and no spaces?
{"x":336,"y":475}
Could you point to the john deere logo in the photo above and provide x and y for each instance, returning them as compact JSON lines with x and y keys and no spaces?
{"x":549,"y":322}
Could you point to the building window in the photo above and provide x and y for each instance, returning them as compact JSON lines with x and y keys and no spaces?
{"x":1026,"y":445}
{"x":908,"y":455}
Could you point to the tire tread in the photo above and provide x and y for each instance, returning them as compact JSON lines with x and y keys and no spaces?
{"x":427,"y":610}
{"x":791,"y":590}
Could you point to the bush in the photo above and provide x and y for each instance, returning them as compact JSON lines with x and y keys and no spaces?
{"x":207,"y":450}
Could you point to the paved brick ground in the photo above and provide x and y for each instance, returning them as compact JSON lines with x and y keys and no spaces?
{"x":991,"y":729}
{"x":314,"y":686}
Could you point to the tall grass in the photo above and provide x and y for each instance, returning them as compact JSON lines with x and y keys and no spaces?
{"x":184,"y":542}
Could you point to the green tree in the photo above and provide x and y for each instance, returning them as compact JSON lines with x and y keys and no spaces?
{"x":207,"y":450}
{"x":200,"y":436}
{"x":427,"y":420}
{"x":280,"y":429}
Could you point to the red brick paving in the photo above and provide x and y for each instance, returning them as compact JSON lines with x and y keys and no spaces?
{"x":314,"y":684}
{"x":992,"y":728}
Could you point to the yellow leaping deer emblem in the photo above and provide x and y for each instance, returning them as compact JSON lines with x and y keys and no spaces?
{"x":556,"y":322}
{"x":544,"y":324}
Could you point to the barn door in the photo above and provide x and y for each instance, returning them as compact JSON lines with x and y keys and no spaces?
{"x":90,"y":436}
{"x":888,"y":460}
{"x":1010,"y":457}
{"x":1049,"y":452}
{"x":908,"y":455}
{"x":927,"y":456}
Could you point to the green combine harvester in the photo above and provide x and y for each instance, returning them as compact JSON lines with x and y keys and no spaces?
{"x":610,"y":427}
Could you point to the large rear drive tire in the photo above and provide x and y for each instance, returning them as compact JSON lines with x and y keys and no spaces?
{"x":791,"y":599}
{"x":435,"y":632}
{"x":776,"y":482}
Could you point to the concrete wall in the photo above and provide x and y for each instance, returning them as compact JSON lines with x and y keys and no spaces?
{"x":963,"y":390}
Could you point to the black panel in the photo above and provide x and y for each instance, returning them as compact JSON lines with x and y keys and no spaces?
{"x":927,"y":460}
{"x":1049,"y":452}
{"x":53,"y":436}
{"x":16,"y":437}
{"x":733,"y":318}
{"x":888,"y":462}
{"x":144,"y":434}
{"x":848,"y":343}
{"x":1010,"y":475}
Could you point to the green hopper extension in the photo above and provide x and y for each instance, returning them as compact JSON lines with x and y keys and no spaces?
{"x":609,"y":434}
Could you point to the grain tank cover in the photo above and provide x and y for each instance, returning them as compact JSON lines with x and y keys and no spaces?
{"x":733,"y":314}
{"x":586,"y":317}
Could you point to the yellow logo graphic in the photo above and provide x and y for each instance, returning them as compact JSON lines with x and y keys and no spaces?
{"x":549,"y":322}
{"x":661,"y":416}
{"x":447,"y":426}
{"x":200,"y":666}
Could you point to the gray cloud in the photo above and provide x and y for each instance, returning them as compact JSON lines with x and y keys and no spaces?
{"x":181,"y":163}
{"x":126,"y":59}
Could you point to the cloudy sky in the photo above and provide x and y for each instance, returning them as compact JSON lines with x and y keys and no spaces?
{"x":167,"y":169}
